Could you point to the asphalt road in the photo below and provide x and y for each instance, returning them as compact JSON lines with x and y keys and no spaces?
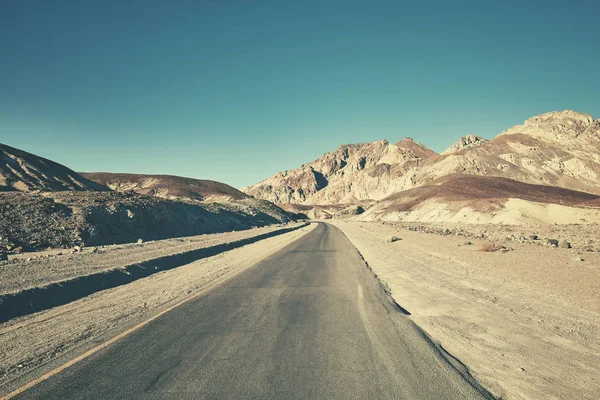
{"x":309,"y":322}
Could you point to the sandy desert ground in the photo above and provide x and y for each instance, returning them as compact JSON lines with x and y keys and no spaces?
{"x":525,"y":321}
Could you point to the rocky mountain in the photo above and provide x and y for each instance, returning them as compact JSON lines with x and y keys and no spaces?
{"x":167,"y":186}
{"x":558,"y":149}
{"x":25,"y":172}
{"x":351,"y":173}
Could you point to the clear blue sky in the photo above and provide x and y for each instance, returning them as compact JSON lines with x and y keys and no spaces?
{"x":237,"y":90}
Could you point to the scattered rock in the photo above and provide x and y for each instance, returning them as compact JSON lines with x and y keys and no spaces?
{"x":76,"y":249}
{"x":533,"y":237}
{"x":468,"y":243}
{"x":588,"y":249}
{"x":446,"y":231}
{"x":392,"y":239}
{"x":578,"y":259}
{"x":18,"y":250}
{"x":140,"y":241}
{"x":552,"y":242}
{"x":565,"y":245}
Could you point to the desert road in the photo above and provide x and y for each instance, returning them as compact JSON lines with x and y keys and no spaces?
{"x":308,"y":322}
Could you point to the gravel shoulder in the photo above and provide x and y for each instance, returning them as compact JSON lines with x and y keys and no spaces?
{"x":37,"y":340}
{"x":38,"y":269}
{"x":526,"y":322}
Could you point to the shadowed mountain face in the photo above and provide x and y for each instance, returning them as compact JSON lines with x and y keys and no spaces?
{"x":167,"y":186}
{"x":557,"y":149}
{"x":24,"y":172}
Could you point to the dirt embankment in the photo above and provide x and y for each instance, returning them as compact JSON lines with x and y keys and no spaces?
{"x":65,"y":219}
{"x":525,"y":321}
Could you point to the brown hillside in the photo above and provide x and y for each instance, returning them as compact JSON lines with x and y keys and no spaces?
{"x":473,"y":188}
{"x":167,"y":186}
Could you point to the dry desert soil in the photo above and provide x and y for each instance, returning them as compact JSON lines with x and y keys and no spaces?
{"x":525,"y":320}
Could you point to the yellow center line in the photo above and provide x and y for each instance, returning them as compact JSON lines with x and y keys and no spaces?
{"x":118,"y":337}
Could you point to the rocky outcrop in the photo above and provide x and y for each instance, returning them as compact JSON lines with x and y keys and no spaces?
{"x":558,"y":125}
{"x":466,"y":142}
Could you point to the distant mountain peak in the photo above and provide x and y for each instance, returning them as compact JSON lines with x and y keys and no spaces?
{"x":466,"y":142}
{"x":419,"y":149}
{"x":561,"y":117}
{"x":557,"y":125}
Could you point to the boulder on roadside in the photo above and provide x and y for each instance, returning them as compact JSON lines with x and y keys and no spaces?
{"x":140,"y":241}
